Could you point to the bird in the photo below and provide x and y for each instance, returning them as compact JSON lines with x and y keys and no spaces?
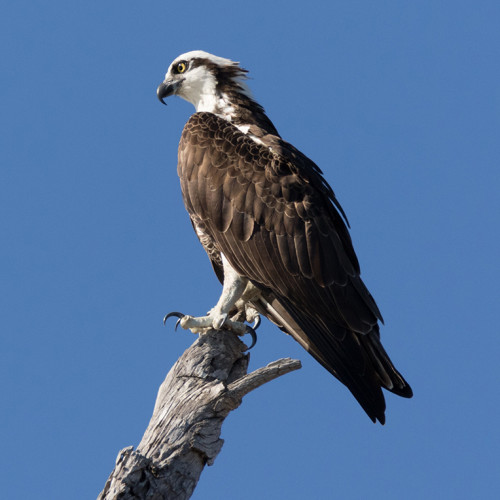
{"x":274,"y":231}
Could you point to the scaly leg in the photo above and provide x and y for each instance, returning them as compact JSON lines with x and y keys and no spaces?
{"x":233,"y":288}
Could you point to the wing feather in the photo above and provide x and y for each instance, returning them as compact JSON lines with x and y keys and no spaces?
{"x":287,"y":257}
{"x":276,"y":220}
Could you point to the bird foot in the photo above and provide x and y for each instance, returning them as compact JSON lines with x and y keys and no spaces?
{"x":202,"y":324}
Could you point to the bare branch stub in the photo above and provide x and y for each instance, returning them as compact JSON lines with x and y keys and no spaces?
{"x":207,"y":382}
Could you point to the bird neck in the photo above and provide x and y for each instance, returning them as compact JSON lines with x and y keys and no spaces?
{"x":237,"y":107}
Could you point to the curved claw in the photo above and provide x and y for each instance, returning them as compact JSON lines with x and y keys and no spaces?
{"x":256,"y":323}
{"x":251,"y":331}
{"x":177,"y":315}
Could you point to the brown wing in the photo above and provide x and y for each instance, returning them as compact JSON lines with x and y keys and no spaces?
{"x":274,"y":217}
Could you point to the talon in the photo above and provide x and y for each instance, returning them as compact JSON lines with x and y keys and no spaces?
{"x":251,"y":331}
{"x":256,"y":323}
{"x":177,"y":315}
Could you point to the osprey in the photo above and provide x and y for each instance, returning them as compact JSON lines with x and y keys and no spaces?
{"x":274,"y":232}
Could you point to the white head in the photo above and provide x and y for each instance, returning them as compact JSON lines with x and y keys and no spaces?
{"x":206,"y":81}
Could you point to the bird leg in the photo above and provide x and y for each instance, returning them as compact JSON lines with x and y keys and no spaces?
{"x":217,"y":318}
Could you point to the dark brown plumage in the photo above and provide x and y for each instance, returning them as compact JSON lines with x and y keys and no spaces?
{"x":274,"y":218}
{"x":263,"y":205}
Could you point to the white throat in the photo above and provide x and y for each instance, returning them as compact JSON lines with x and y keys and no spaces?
{"x":199,"y":88}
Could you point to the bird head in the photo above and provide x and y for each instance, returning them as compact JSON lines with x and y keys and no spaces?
{"x":204,"y":80}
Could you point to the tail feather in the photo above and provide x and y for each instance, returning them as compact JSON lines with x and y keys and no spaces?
{"x":391,"y":379}
{"x":359,"y":361}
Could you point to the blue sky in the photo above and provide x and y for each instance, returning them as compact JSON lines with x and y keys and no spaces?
{"x":397,"y":102}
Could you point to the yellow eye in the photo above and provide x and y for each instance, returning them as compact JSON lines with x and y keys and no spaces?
{"x":181,"y":67}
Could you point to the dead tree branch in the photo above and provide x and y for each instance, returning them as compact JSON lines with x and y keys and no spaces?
{"x":207,"y":382}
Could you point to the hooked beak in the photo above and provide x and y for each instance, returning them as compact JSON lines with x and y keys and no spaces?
{"x":166,"y":89}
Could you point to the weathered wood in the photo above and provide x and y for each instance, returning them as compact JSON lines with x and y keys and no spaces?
{"x":207,"y":382}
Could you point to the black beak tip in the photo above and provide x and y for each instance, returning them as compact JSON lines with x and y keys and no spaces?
{"x":160,"y":96}
{"x":161,"y":92}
